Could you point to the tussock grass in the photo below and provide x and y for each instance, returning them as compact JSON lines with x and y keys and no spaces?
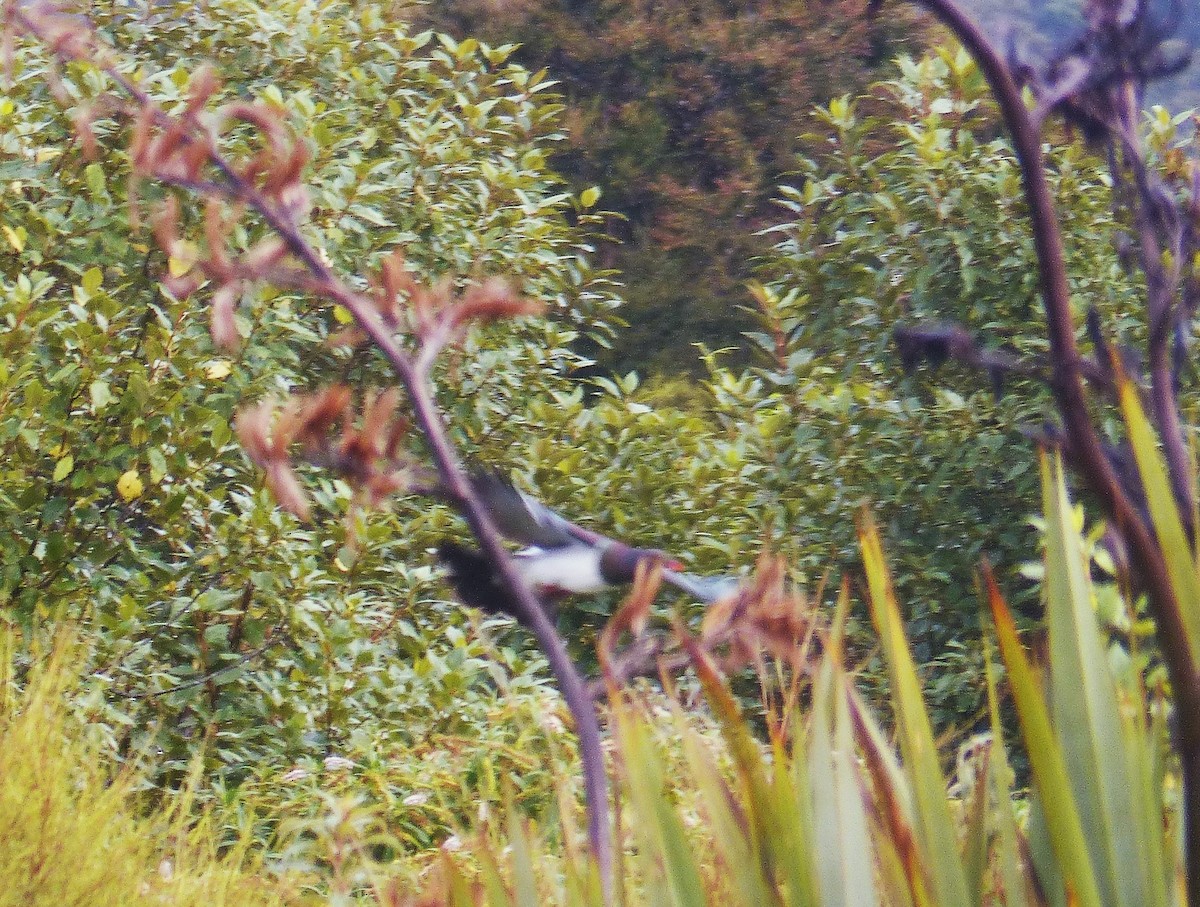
{"x":71,"y":831}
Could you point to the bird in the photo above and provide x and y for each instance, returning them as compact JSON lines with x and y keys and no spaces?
{"x":561,"y":558}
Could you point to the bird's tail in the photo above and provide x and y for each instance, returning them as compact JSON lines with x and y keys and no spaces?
{"x":474,"y":580}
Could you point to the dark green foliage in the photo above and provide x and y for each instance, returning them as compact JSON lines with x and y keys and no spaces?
{"x":218,"y":625}
{"x":686,"y":114}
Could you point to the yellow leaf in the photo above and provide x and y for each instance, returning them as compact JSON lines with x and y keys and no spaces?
{"x":92,"y":280}
{"x":130,"y":486}
{"x":218,"y":369}
{"x":184,"y":259}
{"x":342,"y":315}
{"x":16,"y":238}
{"x":63,"y":467}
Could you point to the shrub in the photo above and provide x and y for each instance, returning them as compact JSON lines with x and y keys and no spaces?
{"x":127,"y":503}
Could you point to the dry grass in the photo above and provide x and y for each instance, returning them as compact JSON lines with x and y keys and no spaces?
{"x":71,"y":828}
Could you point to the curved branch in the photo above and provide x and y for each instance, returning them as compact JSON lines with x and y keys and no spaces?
{"x":1067,"y":384}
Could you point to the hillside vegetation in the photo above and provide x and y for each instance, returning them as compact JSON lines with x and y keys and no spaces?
{"x":686,"y":116}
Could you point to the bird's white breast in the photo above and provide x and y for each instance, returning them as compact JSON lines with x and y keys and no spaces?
{"x":575,"y":569}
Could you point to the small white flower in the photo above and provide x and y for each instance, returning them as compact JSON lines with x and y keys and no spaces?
{"x":452,"y":844}
{"x":336,"y":763}
{"x":552,"y":724}
{"x":166,"y":870}
{"x":418,"y":799}
{"x":296,"y":774}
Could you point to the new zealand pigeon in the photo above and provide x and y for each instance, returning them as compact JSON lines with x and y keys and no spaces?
{"x":562,"y":558}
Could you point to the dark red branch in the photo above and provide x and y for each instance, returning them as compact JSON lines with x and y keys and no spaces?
{"x":1067,"y":384}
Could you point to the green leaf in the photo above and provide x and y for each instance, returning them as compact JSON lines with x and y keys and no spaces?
{"x":158,"y":464}
{"x":659,"y":826}
{"x":842,"y":843}
{"x":1168,"y":527}
{"x":100,"y":393}
{"x":934,"y":828}
{"x":1045,"y":759}
{"x":775,"y":843}
{"x":96,"y":181}
{"x":63,"y":468}
{"x":92,"y":279}
{"x":1007,"y":845}
{"x":1098,"y":744}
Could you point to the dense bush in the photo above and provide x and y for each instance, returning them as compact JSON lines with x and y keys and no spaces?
{"x":830,"y":813}
{"x":126,"y":501}
{"x":325,"y":648}
{"x":913,"y":214}
{"x":297,"y":660}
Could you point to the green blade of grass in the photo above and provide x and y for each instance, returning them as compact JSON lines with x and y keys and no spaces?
{"x":459,"y":889}
{"x":976,"y":831}
{"x":933,"y":823}
{"x":523,"y":860}
{"x":893,"y":876}
{"x":729,"y":825}
{"x":659,"y":825}
{"x":1045,"y":759}
{"x":1097,"y":745}
{"x":489,"y":873}
{"x":775,"y":842}
{"x":794,"y":815}
{"x":844,"y":855}
{"x":896,"y":842}
{"x":1007,"y":837}
{"x":1164,"y":512}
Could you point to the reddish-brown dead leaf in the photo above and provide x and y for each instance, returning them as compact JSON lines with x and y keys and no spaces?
{"x":632,"y":615}
{"x":492,"y":300}
{"x":322,"y":411}
{"x":263,"y":256}
{"x":221,"y":322}
{"x":286,"y":488}
{"x":83,"y":120}
{"x":216,"y":233}
{"x":203,"y":85}
{"x":165,"y":224}
{"x":253,"y":427}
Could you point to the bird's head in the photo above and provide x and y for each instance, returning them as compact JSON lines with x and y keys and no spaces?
{"x":619,"y":562}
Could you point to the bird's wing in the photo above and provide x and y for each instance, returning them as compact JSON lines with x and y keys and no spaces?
{"x":707,"y":589}
{"x":474,"y":580}
{"x":526,"y":520}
